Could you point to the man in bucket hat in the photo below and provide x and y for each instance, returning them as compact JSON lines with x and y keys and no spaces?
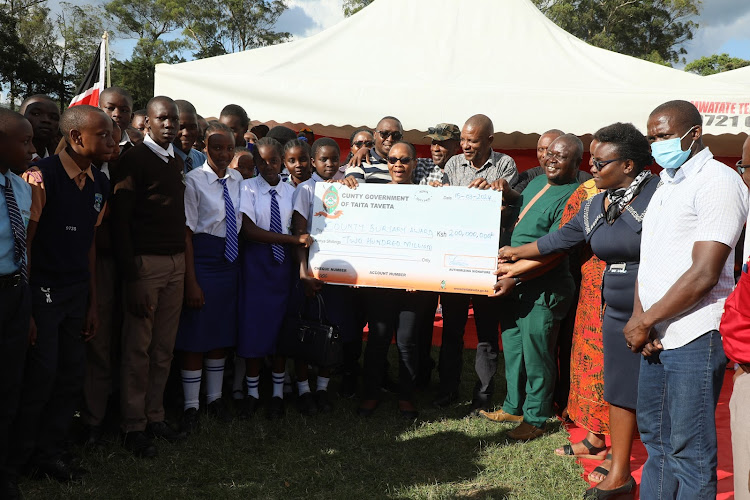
{"x":446,"y":139}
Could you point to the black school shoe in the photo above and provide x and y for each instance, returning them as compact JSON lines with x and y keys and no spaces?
{"x":162,"y":431}
{"x":9,"y":487}
{"x":139,"y":444}
{"x":58,"y":469}
{"x":190,"y":421}
{"x":323,"y":402}
{"x":275,"y":409}
{"x":247,"y":407}
{"x":306,"y":404}
{"x":219,"y":411}
{"x":444,"y":400}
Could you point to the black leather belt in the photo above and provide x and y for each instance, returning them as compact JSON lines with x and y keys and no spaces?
{"x":10,"y":280}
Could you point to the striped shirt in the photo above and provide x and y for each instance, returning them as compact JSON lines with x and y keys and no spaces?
{"x":375,"y":172}
{"x":498,"y":166}
{"x":704,"y":201}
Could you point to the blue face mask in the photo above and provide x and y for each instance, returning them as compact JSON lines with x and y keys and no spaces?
{"x":669,"y":154}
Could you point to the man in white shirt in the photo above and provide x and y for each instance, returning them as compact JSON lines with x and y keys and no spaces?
{"x":689,"y":232}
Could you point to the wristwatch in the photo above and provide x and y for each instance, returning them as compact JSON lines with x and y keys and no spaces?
{"x":517,"y":280}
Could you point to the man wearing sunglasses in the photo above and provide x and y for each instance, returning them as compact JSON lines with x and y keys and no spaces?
{"x":375,"y":168}
{"x":476,"y":167}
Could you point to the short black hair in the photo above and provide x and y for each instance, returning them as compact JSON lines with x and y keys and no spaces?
{"x":215,"y":126}
{"x":322,"y":143}
{"x":269,"y":141}
{"x":75,"y":118}
{"x":158,"y":98}
{"x":184,"y":106}
{"x":238,"y":111}
{"x":412,"y":149}
{"x":296,"y":143}
{"x":35,"y":97}
{"x":392,"y":118}
{"x":630,"y":143}
{"x":119,"y":91}
{"x":9,"y":120}
{"x":282,"y":134}
{"x":685,"y":111}
{"x":140,"y":112}
{"x":357,"y":131}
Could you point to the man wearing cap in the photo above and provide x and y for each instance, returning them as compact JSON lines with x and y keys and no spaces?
{"x":445,"y":144}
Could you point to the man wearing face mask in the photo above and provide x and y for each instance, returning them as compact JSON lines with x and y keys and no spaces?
{"x":689,"y":232}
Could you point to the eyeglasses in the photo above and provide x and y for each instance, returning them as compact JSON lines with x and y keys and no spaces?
{"x":396,"y":136}
{"x":404,"y":160}
{"x":741,"y":168}
{"x":369,"y":144}
{"x":599,"y":164}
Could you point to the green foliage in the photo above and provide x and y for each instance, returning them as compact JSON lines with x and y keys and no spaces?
{"x":649,"y":29}
{"x":717,"y":63}
{"x":351,"y":7}
{"x":56,"y":50}
{"x":19,"y":70}
{"x":222,"y":26}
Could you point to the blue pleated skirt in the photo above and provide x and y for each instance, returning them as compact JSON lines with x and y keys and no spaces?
{"x":213,"y":326}
{"x":264,"y":295}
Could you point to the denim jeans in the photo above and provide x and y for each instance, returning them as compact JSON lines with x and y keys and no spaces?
{"x":677,"y":396}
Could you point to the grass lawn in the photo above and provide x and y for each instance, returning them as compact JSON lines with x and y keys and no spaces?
{"x":445,"y":454}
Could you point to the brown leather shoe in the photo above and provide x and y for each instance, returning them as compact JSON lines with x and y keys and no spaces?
{"x":525,"y":432}
{"x":501,"y":416}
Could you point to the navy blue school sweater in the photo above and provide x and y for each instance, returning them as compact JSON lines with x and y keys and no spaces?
{"x":60,"y":250}
{"x":148,"y":208}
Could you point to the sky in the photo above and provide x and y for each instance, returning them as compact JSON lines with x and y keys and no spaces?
{"x":723,"y":26}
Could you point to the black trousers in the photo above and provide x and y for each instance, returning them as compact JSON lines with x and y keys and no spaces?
{"x":392,"y":312}
{"x":53,"y":377}
{"x":487,"y":318}
{"x":426,"y":326}
{"x":15,"y":312}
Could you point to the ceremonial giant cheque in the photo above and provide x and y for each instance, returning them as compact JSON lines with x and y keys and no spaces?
{"x":442,"y":239}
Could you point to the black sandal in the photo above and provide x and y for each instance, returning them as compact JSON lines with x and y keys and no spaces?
{"x":596,"y":494}
{"x":593,"y":453}
{"x":601,"y":470}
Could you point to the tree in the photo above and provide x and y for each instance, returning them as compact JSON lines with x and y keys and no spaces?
{"x":649,"y":29}
{"x":223,"y":26}
{"x":717,"y":63}
{"x":147,"y":21}
{"x":351,"y":7}
{"x":23,"y":70}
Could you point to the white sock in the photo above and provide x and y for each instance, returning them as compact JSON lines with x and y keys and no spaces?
{"x":252,"y":386}
{"x":323,"y":383}
{"x":303,"y":387}
{"x":214,"y":378}
{"x":191,"y":388}
{"x":278,"y":385}
{"x":239,"y":377}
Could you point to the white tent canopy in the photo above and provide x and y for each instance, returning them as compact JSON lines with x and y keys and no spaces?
{"x":431,"y":61}
{"x":740,"y":76}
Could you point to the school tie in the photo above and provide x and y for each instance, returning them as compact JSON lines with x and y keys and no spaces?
{"x":19,"y":230}
{"x":278,"y":250}
{"x":231,"y":246}
{"x":189,"y":167}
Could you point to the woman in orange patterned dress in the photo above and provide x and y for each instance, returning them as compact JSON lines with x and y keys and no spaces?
{"x":586,"y":405}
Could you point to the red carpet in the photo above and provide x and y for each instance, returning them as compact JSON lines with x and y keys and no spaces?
{"x":639,"y":455}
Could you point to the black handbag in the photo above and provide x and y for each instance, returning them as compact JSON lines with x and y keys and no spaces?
{"x":316,"y":341}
